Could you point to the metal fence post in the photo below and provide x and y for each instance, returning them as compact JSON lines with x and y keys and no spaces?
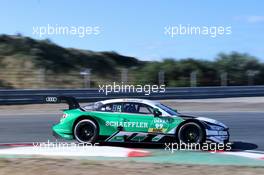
{"x":193,"y":78}
{"x":41,"y":78}
{"x":124,"y":78}
{"x":251,"y":74}
{"x":223,"y":77}
{"x":86,"y":77}
{"x":161,"y":76}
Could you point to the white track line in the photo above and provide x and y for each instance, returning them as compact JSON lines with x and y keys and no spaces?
{"x":246,"y":154}
{"x":86,"y":151}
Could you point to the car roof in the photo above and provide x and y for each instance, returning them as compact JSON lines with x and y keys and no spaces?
{"x":135,"y":100}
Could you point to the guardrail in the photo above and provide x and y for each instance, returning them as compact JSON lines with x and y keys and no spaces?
{"x":30,"y":96}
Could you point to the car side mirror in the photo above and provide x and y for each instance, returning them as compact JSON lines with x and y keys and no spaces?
{"x":156,"y":112}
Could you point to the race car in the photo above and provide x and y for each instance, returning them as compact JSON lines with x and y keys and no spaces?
{"x":134,"y":120}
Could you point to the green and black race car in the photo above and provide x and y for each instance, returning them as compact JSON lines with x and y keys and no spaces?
{"x":134,"y":120}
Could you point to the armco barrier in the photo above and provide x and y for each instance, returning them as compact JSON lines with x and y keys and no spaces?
{"x":31,"y":96}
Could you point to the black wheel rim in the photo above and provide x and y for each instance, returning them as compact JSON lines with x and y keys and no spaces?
{"x":190,"y":134}
{"x":85,"y":131}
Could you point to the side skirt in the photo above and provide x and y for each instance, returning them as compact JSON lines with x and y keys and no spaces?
{"x":137,"y":137}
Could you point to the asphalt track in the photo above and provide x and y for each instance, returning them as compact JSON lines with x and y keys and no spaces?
{"x":246,"y":128}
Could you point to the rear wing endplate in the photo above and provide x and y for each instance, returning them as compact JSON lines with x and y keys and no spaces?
{"x":71,"y":101}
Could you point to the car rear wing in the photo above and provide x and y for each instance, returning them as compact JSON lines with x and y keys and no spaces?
{"x":71,"y":101}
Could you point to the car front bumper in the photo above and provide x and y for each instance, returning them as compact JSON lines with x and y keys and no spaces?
{"x":59,"y":132}
{"x":217,"y":136}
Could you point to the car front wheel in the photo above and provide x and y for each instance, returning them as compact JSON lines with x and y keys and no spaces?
{"x":191,"y":132}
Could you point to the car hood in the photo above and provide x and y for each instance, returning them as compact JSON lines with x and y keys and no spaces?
{"x":205,"y":119}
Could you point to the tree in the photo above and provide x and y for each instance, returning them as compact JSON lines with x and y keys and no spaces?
{"x":236,"y":65}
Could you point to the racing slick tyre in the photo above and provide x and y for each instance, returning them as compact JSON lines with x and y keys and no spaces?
{"x":86,"y":131}
{"x":191,"y":132}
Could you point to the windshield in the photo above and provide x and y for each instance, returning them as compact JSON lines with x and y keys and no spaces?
{"x":167,"y":109}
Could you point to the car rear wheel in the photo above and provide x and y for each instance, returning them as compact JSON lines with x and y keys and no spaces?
{"x":191,"y":132}
{"x":86,"y":131}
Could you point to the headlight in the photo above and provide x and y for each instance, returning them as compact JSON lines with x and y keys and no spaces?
{"x":217,"y":128}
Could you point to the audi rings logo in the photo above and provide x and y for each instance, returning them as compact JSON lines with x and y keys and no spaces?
{"x":51,"y":99}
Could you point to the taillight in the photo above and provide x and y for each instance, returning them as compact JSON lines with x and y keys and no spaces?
{"x":64,"y":115}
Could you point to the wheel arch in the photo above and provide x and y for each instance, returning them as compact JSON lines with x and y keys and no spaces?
{"x":188,"y":121}
{"x":83,"y":117}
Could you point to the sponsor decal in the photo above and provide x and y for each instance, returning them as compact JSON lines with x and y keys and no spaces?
{"x":127,"y":124}
{"x":51,"y":99}
{"x":159,"y":120}
{"x":156,"y":130}
{"x":159,"y":125}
